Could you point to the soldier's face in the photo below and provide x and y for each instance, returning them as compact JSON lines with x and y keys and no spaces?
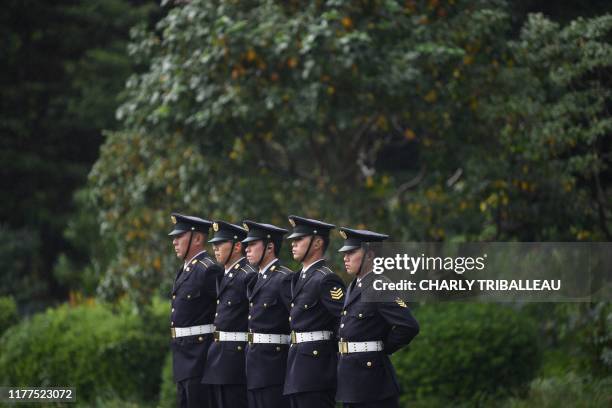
{"x":254,"y":251}
{"x":352,"y":261}
{"x":299,"y":246}
{"x":222,"y":250}
{"x":180,"y":243}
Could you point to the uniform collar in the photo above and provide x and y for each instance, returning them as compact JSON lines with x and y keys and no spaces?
{"x":364,"y":277}
{"x":232,"y":265}
{"x":194,"y":257}
{"x":265,"y":268}
{"x":309,"y":267}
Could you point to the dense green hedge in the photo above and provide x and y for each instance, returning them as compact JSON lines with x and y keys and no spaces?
{"x":167,"y":393}
{"x":89,"y":347}
{"x":8,"y":313}
{"x":467,"y":351}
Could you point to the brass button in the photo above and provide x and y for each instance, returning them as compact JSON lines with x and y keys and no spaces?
{"x":251,"y":304}
{"x":265,"y":305}
{"x":200,"y":338}
{"x":369,"y":364}
{"x":305,"y":306}
{"x":216,"y":313}
{"x":292,"y":304}
{"x":315,"y":353}
{"x":171,"y":323}
{"x":172,"y":310}
{"x":360,"y":315}
{"x":173,"y":296}
{"x":344,"y":313}
{"x":217,"y":301}
{"x":249,"y":317}
{"x":229,"y":302}
{"x":188,"y":296}
{"x":277,"y":348}
{"x":341,"y":325}
{"x":289,"y":318}
{"x":239,"y":348}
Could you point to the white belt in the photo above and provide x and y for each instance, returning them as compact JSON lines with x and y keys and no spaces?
{"x":231,"y":336}
{"x":359,"y":346}
{"x":191,"y":331}
{"x":269,"y":338}
{"x":303,"y":337}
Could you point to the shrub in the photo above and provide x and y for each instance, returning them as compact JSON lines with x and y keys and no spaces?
{"x":8,"y":313}
{"x":88,"y":347}
{"x":167,"y":394}
{"x":468,"y":352}
{"x":572,"y":389}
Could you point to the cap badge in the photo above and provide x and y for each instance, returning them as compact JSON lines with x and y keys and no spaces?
{"x":215,"y":226}
{"x":246,"y":227}
{"x":173,"y":218}
{"x":343,"y":234}
{"x":292,"y":222}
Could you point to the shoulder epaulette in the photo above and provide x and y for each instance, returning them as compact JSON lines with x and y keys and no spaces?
{"x":207,"y":262}
{"x":283,"y":269}
{"x":324,"y":270}
{"x":247,"y":268}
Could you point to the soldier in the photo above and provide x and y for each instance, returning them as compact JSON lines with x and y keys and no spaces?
{"x":269,"y":298}
{"x":369,"y":332}
{"x":224,"y":370}
{"x":193,"y":308}
{"x":317,"y":297}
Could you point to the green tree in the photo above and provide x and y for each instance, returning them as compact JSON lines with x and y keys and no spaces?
{"x":64,"y":64}
{"x":410,"y":117}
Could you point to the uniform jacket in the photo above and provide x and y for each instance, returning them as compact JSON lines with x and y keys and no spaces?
{"x":316,"y":303}
{"x":225,"y":363}
{"x":193,"y":303}
{"x":269,"y":298}
{"x":369,"y":376}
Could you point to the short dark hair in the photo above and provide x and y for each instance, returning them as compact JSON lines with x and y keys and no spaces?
{"x":325,"y":239}
{"x":277,"y":246}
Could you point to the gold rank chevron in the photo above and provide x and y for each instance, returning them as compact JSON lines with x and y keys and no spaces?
{"x":336,"y":294}
{"x":401,"y":302}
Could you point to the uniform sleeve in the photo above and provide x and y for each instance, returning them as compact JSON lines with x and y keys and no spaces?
{"x":285,"y":290}
{"x":404,"y":326}
{"x":333,"y":291}
{"x":209,"y":279}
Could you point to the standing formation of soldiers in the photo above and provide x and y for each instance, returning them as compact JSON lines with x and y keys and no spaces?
{"x":249,"y":332}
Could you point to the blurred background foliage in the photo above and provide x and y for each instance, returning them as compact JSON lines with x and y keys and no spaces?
{"x":431,"y":120}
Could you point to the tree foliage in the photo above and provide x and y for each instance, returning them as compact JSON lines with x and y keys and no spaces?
{"x":424,"y":119}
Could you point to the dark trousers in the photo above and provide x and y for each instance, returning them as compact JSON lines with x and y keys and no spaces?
{"x":228,"y":396}
{"x":392,"y":402}
{"x":268,"y":397}
{"x":190,"y":393}
{"x":318,"y":399}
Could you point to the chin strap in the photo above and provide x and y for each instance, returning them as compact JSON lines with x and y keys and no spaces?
{"x":365,"y":251}
{"x":263,"y":253}
{"x":230,"y":253}
{"x":188,"y":245}
{"x":307,"y":250}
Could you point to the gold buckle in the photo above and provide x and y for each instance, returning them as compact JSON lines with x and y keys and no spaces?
{"x":250,"y":338}
{"x":343,"y":347}
{"x":173,"y":332}
{"x":216,"y":335}
{"x":293,"y":338}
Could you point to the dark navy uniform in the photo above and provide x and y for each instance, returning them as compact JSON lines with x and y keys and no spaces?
{"x":366,"y":378}
{"x":316,"y":303}
{"x":269,"y":298}
{"x":225,"y":364}
{"x":193,"y":303}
